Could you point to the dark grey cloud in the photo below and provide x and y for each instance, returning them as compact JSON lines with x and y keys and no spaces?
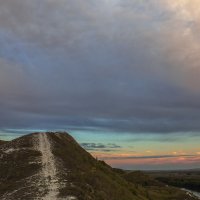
{"x":99,"y":65}
{"x":100,"y":147}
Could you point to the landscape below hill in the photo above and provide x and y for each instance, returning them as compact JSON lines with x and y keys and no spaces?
{"x":189,"y":179}
{"x":53,"y":166}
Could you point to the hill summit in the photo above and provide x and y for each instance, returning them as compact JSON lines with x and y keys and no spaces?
{"x":53,"y":166}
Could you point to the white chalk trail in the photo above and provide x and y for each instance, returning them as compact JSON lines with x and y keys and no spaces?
{"x":49,"y":172}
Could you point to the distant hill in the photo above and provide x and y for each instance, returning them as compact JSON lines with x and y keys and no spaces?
{"x":53,"y":166}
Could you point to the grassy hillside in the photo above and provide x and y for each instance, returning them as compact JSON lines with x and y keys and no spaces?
{"x":91,"y":179}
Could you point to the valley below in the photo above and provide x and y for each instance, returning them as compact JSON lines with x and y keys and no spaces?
{"x":188,"y":179}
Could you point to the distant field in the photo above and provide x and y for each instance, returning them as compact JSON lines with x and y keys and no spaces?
{"x":189,"y":179}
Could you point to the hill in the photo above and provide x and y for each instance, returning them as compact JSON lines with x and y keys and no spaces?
{"x":53,"y":166}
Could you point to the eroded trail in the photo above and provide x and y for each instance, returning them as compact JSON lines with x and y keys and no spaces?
{"x":49,"y":172}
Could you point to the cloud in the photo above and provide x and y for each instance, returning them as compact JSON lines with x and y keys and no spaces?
{"x":148,"y":157}
{"x":124,"y":66}
{"x":100,"y":147}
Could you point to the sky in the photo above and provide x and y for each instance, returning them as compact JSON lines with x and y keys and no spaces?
{"x":121,"y":76}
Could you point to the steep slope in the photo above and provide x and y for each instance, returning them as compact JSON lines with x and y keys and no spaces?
{"x":85,"y":177}
{"x":53,"y":166}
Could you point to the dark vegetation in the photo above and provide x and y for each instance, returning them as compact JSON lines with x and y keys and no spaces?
{"x":189,"y":179}
{"x":152,"y":188}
